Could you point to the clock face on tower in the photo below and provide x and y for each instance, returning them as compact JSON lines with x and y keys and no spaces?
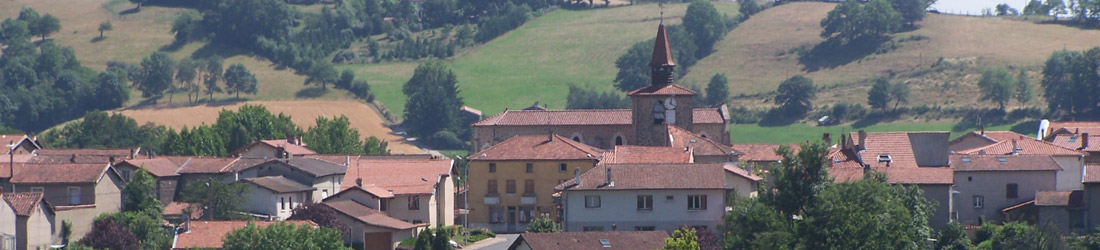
{"x":670,"y":103}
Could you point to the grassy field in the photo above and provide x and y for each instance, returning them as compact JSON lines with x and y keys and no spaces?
{"x":303,"y":113}
{"x":539,"y":60}
{"x":798,"y":133}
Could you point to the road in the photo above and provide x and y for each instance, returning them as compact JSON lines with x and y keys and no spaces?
{"x":501,"y":242}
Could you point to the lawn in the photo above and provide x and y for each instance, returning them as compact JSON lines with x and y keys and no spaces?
{"x":798,"y":133}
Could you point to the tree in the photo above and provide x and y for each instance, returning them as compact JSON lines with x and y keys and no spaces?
{"x":1020,"y":235}
{"x":321,"y":73}
{"x":433,"y":103}
{"x":996,"y":86}
{"x":238,"y":79}
{"x":212,"y":73}
{"x":146,"y":227}
{"x":442,"y":240}
{"x":705,"y":24}
{"x":105,"y":26}
{"x":853,"y":21}
{"x":911,"y":10}
{"x":110,"y":90}
{"x":796,"y":94}
{"x":879,"y":95}
{"x":321,"y":214}
{"x":333,"y":137}
{"x":953,"y":237}
{"x":682,"y":239}
{"x":543,"y":224}
{"x":156,"y":75}
{"x":900,"y":93}
{"x":374,"y":146}
{"x":1054,"y":8}
{"x":250,"y":123}
{"x":1023,"y":88}
{"x":186,"y":72}
{"x":346,"y":78}
{"x":139,"y":195}
{"x":424,"y":241}
{"x":46,"y":25}
{"x":1004,"y":10}
{"x":222,"y":201}
{"x":283,"y":235}
{"x":718,"y":90}
{"x":846,"y":216}
{"x":799,"y":177}
{"x":748,"y":8}
{"x":139,"y":3}
{"x":106,"y":234}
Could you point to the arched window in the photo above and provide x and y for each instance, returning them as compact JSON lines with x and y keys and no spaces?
{"x":659,"y":112}
{"x":577,"y":138}
{"x":618,"y":140}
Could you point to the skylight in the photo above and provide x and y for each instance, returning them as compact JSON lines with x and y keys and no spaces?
{"x":966,"y":159}
{"x":1002,"y":159}
{"x":605,"y":243}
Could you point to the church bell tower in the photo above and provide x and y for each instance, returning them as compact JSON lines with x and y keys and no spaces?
{"x":661,"y":103}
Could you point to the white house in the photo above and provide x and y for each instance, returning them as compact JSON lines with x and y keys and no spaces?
{"x":275,"y":196}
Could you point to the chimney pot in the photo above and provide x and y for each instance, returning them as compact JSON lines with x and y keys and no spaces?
{"x":983,"y":129}
{"x":1015,"y":147}
{"x":609,"y":183}
{"x":1084,"y":140}
{"x":862,"y":139}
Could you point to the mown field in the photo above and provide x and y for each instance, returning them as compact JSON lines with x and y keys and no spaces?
{"x":798,"y":133}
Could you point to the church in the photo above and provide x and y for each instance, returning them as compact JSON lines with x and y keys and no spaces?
{"x":662,"y":114}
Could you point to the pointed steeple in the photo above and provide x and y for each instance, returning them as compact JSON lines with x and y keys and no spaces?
{"x":661,"y":64}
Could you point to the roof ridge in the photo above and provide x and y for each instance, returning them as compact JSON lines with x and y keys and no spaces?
{"x":571,"y":143}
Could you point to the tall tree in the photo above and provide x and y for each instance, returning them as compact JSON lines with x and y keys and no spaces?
{"x":251,"y":123}
{"x":846,"y":216}
{"x":433,"y":103}
{"x":106,"y":234}
{"x":442,"y":240}
{"x":795,"y":95}
{"x":879,"y":95}
{"x":799,"y":178}
{"x":900,"y":93}
{"x":334,"y":136}
{"x":996,"y":86}
{"x":718,"y":90}
{"x":321,"y":73}
{"x":953,"y":237}
{"x":852,"y":21}
{"x":46,"y":25}
{"x":238,"y":79}
{"x":105,"y":26}
{"x":145,"y":226}
{"x":186,"y":72}
{"x":139,"y":195}
{"x":156,"y":75}
{"x":321,"y":214}
{"x":912,"y":10}
{"x":374,"y":146}
{"x":1024,"y":93}
{"x":211,"y":74}
{"x":705,"y":24}
{"x":223,"y":201}
{"x":682,"y":239}
{"x":1055,"y":8}
{"x":110,"y":90}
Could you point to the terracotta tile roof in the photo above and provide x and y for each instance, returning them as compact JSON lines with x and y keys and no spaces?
{"x":966,"y":163}
{"x":1003,"y":135}
{"x":662,"y":55}
{"x":158,"y":167}
{"x":209,"y":234}
{"x":847,"y":165}
{"x":682,"y":138}
{"x":81,"y":156}
{"x":311,"y":166}
{"x":214,"y":165}
{"x":371,"y":190}
{"x":401,"y":177}
{"x":651,"y":176}
{"x":1059,"y":198}
{"x":181,"y":208}
{"x":24,"y":204}
{"x":1073,"y":127}
{"x":1072,"y":141}
{"x":289,"y":147}
{"x":18,"y":158}
{"x":368,"y":215}
{"x":536,"y":147}
{"x":59,"y":173}
{"x":646,"y":154}
{"x":583,"y":117}
{"x":278,"y":184}
{"x":591,"y":240}
{"x":1026,"y":146}
{"x":760,"y":152}
{"x":1013,"y":207}
{"x":664,"y":89}
{"x":1092,"y":173}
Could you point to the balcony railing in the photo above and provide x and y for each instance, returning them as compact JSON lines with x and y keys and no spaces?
{"x":492,"y":200}
{"x":528,"y":199}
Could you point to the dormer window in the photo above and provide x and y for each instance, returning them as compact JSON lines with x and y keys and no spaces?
{"x":659,"y":112}
{"x":885,"y":158}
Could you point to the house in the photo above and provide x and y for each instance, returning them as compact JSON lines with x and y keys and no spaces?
{"x":1071,"y":161}
{"x":178,"y":212}
{"x":77,"y":192}
{"x":648,"y":197}
{"x":31,"y":222}
{"x":282,"y":148}
{"x":703,"y":149}
{"x":655,"y":106}
{"x":20,"y":144}
{"x":325,"y":177}
{"x":591,"y":240}
{"x":369,"y":227}
{"x":645,"y":154}
{"x":422,"y":189}
{"x":982,"y":138}
{"x":163,"y":169}
{"x":538,"y":163}
{"x":274,"y":197}
{"x":908,"y":158}
{"x":83,"y":156}
{"x":225,"y":170}
{"x":209,"y":234}
{"x":469,"y":115}
{"x":987,"y":184}
{"x":1088,"y":141}
{"x":1063,"y":211}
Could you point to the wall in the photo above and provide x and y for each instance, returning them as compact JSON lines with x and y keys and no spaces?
{"x":941,"y":194}
{"x":445,"y":199}
{"x":991,"y":185}
{"x":107,"y":199}
{"x":7,"y":218}
{"x":260,"y":150}
{"x":166,"y":189}
{"x":1057,"y":218}
{"x":744,"y":187}
{"x":619,"y":207}
{"x":357,"y":230}
{"x":39,"y":229}
{"x":399,"y":209}
{"x":359,"y":197}
{"x":545,"y":175}
{"x":326,"y":185}
{"x":1072,"y":171}
{"x":649,"y":134}
{"x":1092,"y":203}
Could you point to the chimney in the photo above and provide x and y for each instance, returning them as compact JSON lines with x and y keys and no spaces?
{"x":843,"y":141}
{"x":347,"y":161}
{"x":609,"y":183}
{"x":359,"y":182}
{"x":280,"y":152}
{"x":72,"y":159}
{"x":827,"y":138}
{"x":983,"y":129}
{"x":132,"y":154}
{"x":577,"y":176}
{"x":298,"y":141}
{"x":614,"y":227}
{"x":1015,"y":147}
{"x":1084,"y":140}
{"x":862,"y":139}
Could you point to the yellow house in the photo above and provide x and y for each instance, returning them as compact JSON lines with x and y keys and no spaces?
{"x":513,"y":182}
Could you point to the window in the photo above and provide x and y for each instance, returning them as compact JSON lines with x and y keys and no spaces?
{"x":324,"y":193}
{"x":510,"y":187}
{"x":659,"y":112}
{"x":1011,"y":191}
{"x":562,"y":167}
{"x":592,"y":229}
{"x":645,"y":228}
{"x":492,"y":167}
{"x":382,"y":205}
{"x":282,"y":203}
{"x":74,"y":195}
{"x":530,"y":167}
{"x":496,"y":214}
{"x":125,"y":174}
{"x":290,"y":201}
{"x":618,"y":140}
{"x":414,"y":202}
{"x":38,"y":190}
{"x":697,"y":202}
{"x":577,"y":138}
{"x":526,"y":214}
{"x":591,"y":201}
{"x":668,"y":197}
{"x":493,"y":187}
{"x":645,"y":202}
{"x":979,"y":201}
{"x":529,"y":186}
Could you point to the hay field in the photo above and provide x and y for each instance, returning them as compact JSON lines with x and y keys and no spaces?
{"x":303,"y":113}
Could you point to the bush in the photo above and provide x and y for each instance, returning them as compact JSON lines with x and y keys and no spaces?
{"x":446,"y":139}
{"x":361,"y":89}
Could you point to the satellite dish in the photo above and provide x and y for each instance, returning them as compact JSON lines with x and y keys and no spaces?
{"x":670,"y":103}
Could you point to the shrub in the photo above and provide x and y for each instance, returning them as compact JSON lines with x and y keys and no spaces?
{"x":446,"y":139}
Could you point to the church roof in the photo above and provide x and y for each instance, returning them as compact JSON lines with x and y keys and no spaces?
{"x":662,"y":55}
{"x":663,"y":89}
{"x":621,"y":117}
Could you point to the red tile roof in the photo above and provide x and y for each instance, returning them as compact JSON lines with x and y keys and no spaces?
{"x":682,"y":138}
{"x":646,"y":154}
{"x":367,"y":215}
{"x":760,"y":152}
{"x":1092,"y":173}
{"x":1074,"y":127}
{"x":399,"y":176}
{"x":591,"y":240}
{"x":662,"y":55}
{"x":209,"y":234}
{"x":371,"y":190}
{"x":59,"y":173}
{"x":582,"y":117}
{"x":653,"y":176}
{"x":81,"y":156}
{"x":537,"y":147}
{"x":966,"y":163}
{"x":663,"y":89}
{"x":1027,"y":146}
{"x":903,"y":168}
{"x":1059,"y":198}
{"x":24,"y":204}
{"x":158,"y":167}
{"x":214,"y":165}
{"x":180,"y":208}
{"x":290,"y":148}
{"x":1072,"y":141}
